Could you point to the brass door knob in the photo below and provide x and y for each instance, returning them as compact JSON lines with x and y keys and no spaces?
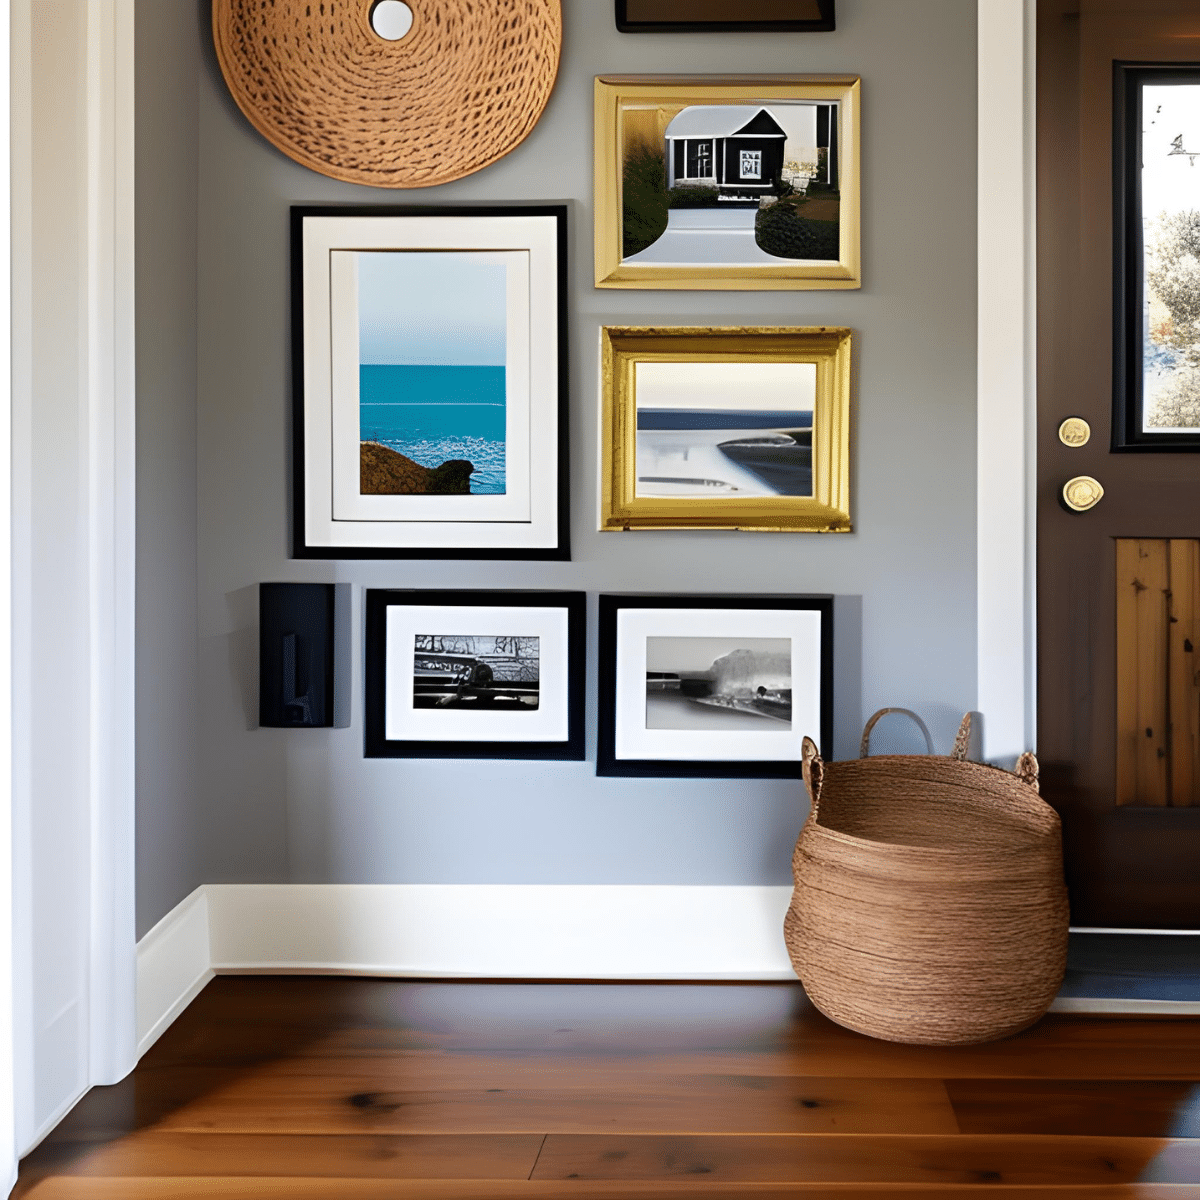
{"x":1074,"y":432}
{"x":1081,"y":493}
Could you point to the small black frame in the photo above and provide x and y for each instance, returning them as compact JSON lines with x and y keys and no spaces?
{"x":628,"y":22}
{"x":607,"y":762}
{"x":376,"y":743}
{"x":1128,"y":256}
{"x":301,"y":547}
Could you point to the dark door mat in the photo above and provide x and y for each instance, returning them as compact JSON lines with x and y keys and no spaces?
{"x":1133,"y":966}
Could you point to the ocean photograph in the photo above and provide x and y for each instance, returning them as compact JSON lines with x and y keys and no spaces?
{"x":432,"y":373}
{"x":724,"y":430}
{"x":719,"y":683}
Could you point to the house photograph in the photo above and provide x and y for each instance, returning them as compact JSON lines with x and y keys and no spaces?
{"x":721,"y":168}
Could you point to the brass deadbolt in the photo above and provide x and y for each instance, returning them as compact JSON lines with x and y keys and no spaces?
{"x":1074,"y":432}
{"x":1082,"y":492}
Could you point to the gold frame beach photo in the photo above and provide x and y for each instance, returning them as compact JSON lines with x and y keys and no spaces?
{"x":725,"y":428}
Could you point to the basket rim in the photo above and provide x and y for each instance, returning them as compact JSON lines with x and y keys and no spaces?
{"x":1037,"y":841}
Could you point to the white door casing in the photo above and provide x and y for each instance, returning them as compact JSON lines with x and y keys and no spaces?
{"x":1005,"y":394}
{"x":73,"y":553}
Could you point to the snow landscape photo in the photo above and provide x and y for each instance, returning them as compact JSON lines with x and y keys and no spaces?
{"x":1170,"y":206}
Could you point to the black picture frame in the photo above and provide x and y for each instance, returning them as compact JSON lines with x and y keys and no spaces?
{"x":1129,"y":79}
{"x":631,"y":22}
{"x":573,"y":662}
{"x":607,"y":760}
{"x":303,"y":546}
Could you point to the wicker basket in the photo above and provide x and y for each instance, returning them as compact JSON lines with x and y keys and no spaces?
{"x":929,"y":905}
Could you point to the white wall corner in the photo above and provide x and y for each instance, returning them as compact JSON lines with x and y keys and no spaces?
{"x":174,"y":962}
{"x":1006,"y":412}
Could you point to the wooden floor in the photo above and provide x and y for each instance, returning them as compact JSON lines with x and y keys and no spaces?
{"x":339,"y":1089}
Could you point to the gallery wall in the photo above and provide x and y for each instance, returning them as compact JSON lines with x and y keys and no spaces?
{"x":270,"y":805}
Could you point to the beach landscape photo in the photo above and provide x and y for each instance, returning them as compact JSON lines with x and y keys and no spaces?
{"x":725,"y":430}
{"x":483,"y":672}
{"x":707,"y":683}
{"x":1170,"y":195}
{"x":432,"y":373}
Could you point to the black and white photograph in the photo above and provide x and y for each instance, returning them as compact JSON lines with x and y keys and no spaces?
{"x":469,"y":674}
{"x":719,"y":683}
{"x":484,"y":671}
{"x":720,"y":687}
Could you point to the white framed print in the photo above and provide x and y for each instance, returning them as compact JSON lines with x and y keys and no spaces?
{"x":713,"y":686}
{"x":429,"y":382}
{"x":453,"y":674}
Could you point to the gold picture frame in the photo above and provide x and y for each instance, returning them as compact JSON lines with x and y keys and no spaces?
{"x":742,"y":466}
{"x":653,"y":179}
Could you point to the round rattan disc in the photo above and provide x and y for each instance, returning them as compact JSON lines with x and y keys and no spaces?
{"x":464,"y":87}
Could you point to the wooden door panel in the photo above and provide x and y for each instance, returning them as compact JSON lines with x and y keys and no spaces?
{"x":1134,"y":865}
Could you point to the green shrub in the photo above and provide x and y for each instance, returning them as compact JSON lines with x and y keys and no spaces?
{"x":693,"y":197}
{"x":779,"y":231}
{"x":644,"y":188}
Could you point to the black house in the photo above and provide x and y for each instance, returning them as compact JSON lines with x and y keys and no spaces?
{"x":735,"y":148}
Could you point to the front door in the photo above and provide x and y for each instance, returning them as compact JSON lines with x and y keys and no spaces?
{"x":1118,"y":570}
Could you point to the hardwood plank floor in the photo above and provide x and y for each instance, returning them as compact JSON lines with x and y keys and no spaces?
{"x":291,"y":1188}
{"x":315,"y":1088}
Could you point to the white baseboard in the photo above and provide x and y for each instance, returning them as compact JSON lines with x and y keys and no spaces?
{"x":174,"y":961}
{"x":516,"y":931}
{"x":488,"y":931}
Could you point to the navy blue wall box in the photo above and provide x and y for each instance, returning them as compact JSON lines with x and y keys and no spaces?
{"x":295,"y":654}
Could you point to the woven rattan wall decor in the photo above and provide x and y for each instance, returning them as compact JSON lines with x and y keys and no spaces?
{"x":464,"y":87}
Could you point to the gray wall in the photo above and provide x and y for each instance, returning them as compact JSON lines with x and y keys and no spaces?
{"x":169,"y":811}
{"x":305,"y":805}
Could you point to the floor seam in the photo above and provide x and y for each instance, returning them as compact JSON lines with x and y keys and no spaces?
{"x":537,"y":1156}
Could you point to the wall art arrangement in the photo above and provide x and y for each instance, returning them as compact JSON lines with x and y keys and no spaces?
{"x":430,"y":366}
{"x":1156,"y":228}
{"x":389,"y":94}
{"x":459,"y":674}
{"x":430,"y":360}
{"x":713,"y":686}
{"x":716,"y":16}
{"x":727,"y":183}
{"x":725,"y":428}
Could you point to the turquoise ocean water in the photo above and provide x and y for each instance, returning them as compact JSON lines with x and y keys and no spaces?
{"x":432,"y":414}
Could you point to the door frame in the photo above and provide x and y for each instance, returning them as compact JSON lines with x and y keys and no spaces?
{"x":1006,"y":394}
{"x":93,"y":403}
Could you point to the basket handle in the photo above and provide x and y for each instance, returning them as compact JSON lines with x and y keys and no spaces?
{"x":814,"y":772}
{"x":962,"y":740}
{"x":864,"y":747}
{"x":1027,"y":770}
